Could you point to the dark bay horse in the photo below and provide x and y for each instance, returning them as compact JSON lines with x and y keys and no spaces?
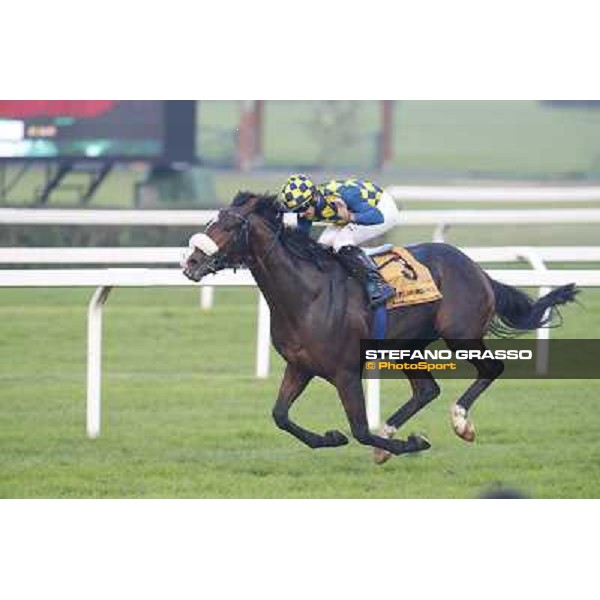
{"x":319,"y":315}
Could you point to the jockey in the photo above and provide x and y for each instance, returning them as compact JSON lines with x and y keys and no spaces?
{"x":357,"y":210}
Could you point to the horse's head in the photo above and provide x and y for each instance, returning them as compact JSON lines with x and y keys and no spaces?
{"x":225,"y":243}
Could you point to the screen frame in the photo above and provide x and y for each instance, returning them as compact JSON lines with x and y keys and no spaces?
{"x":178,"y":142}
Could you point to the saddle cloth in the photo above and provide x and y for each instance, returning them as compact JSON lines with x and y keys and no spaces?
{"x":411,"y":279}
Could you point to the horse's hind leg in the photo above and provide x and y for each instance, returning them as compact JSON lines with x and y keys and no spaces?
{"x":351,"y":394}
{"x":293,"y":384}
{"x":488,"y":369}
{"x":425,"y":389}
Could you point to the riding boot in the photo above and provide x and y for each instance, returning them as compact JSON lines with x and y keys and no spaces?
{"x":363,"y":268}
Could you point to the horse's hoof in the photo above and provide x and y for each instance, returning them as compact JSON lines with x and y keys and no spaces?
{"x":418,"y":442}
{"x":335,"y":438}
{"x":380,"y":455}
{"x":463,"y":428}
{"x":469,"y":433}
{"x":398,"y":447}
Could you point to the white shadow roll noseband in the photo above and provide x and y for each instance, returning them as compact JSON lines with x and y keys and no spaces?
{"x":203,"y":243}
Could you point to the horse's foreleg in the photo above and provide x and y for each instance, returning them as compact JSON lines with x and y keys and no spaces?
{"x":425,"y":389}
{"x":487,"y":371}
{"x":351,"y":394}
{"x":293,"y":384}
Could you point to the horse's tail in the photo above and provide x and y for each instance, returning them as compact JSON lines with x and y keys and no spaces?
{"x":516,"y":312}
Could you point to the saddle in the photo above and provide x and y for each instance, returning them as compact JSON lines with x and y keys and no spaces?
{"x":411,"y":279}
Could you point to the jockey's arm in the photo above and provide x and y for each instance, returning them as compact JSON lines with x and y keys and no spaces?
{"x":361,"y":212}
{"x":304,"y":225}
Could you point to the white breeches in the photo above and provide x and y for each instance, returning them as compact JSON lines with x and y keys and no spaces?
{"x":355,"y":235}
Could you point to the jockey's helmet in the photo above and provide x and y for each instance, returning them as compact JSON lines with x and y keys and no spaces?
{"x":298,"y":191}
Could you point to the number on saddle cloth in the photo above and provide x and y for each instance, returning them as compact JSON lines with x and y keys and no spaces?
{"x":407,"y":271}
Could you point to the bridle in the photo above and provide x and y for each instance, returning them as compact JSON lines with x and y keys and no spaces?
{"x":241,"y":246}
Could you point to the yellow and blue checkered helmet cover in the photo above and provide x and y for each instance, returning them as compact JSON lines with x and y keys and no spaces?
{"x":297,"y":191}
{"x":369,"y":191}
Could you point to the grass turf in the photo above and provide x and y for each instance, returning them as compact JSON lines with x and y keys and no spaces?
{"x":183,"y":415}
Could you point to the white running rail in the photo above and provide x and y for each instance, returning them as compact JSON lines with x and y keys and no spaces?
{"x":442,"y":220}
{"x":461,"y":193}
{"x":171,"y":256}
{"x":199,"y":218}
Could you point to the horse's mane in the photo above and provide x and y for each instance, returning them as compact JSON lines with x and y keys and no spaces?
{"x":295,"y":241}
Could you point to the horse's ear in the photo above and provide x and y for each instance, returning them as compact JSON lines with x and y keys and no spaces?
{"x":252,"y":204}
{"x":243,"y":197}
{"x":269,"y":204}
{"x":266,"y":204}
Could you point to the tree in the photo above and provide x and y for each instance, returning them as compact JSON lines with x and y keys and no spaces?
{"x":334,"y":127}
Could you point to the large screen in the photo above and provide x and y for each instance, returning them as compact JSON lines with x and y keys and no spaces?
{"x":94,"y":129}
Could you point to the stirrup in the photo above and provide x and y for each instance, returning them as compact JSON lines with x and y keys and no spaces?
{"x":384,"y":293}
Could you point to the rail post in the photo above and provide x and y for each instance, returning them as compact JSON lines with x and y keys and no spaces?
{"x":207,"y":297}
{"x":263,"y":338}
{"x":439,"y":233}
{"x":373,"y":400}
{"x":542,"y":333}
{"x":94,"y":361}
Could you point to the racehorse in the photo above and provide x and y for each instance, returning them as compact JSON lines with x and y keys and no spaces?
{"x":319,"y":315}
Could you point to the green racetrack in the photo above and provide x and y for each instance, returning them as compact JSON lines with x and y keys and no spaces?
{"x":184,"y":417}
